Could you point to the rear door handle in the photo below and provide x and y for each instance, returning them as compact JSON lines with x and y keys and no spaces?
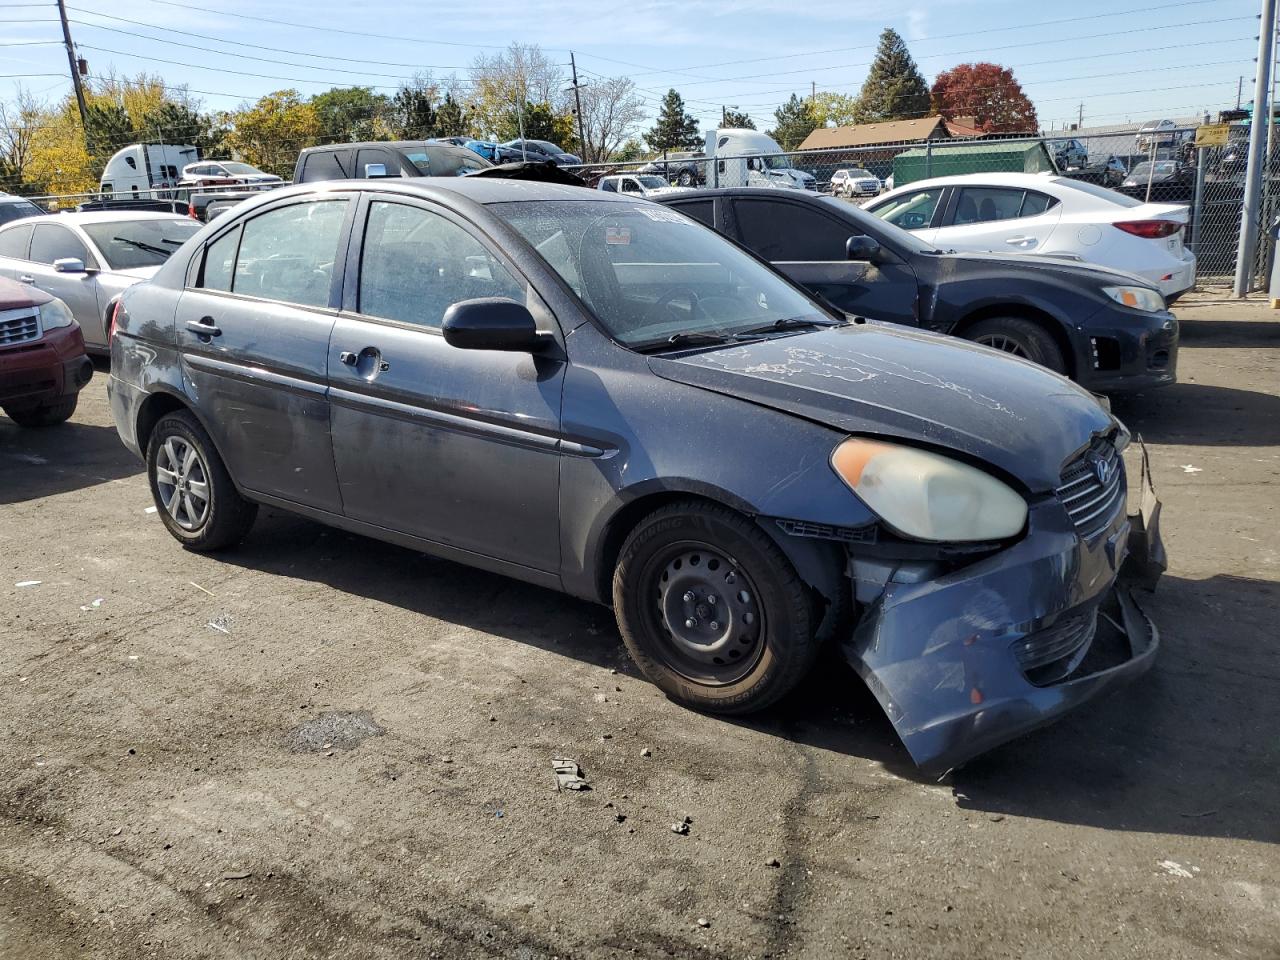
{"x":1021,"y":240}
{"x":27,"y":278}
{"x":204,"y":327}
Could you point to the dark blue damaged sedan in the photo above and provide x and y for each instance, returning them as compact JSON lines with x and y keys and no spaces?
{"x":601,"y":396}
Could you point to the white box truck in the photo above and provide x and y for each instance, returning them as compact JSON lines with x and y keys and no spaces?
{"x":146,"y":171}
{"x":748,"y":158}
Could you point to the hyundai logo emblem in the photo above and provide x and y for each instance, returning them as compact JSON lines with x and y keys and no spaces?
{"x":1101,"y":470}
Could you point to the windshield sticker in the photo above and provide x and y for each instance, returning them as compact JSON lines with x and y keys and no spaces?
{"x":618,"y":235}
{"x":661,"y":215}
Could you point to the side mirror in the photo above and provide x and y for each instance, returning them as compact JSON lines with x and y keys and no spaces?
{"x":491,"y":323}
{"x":860,"y":247}
{"x":69,"y":265}
{"x":372,"y":170}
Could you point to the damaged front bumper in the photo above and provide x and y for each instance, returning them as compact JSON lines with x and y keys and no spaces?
{"x":965,"y":661}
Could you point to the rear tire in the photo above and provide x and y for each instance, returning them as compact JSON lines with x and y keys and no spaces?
{"x":194,"y":495}
{"x":1020,"y":337}
{"x":685,"y":178}
{"x":44,"y":415}
{"x":711,"y":610}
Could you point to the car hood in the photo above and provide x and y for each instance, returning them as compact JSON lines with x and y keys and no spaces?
{"x":923,"y":388}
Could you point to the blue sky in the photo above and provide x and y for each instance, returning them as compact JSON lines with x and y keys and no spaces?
{"x":1125,"y":64}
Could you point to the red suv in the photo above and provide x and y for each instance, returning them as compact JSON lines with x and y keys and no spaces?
{"x":42,"y":360}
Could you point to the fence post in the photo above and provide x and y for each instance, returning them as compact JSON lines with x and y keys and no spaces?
{"x":928,"y":159}
{"x":1197,"y":204}
{"x":1249,"y":209}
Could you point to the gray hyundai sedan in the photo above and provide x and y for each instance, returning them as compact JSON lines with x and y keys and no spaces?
{"x":596,"y":394}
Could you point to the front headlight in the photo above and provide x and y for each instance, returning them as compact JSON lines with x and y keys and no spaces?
{"x":926,"y":496}
{"x":1139,"y":298}
{"x":55,"y":314}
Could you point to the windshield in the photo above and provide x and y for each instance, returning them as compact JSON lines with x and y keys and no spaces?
{"x":445,"y":160}
{"x":127,"y":244}
{"x":777,"y":161}
{"x":649,"y":273}
{"x":859,"y":173}
{"x":241,"y":168}
{"x":652,"y":183}
{"x":1162,"y":169}
{"x":872,"y":226}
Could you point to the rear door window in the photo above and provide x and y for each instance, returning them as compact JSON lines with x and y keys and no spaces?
{"x":51,"y":242}
{"x":326,"y":165}
{"x":986,"y":204}
{"x":288,"y":253}
{"x":220,"y":262}
{"x":781,"y":231}
{"x":701,"y":210}
{"x":13,"y":243}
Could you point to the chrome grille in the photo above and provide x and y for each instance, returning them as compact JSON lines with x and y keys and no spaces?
{"x":19,"y":326}
{"x":1050,"y":654}
{"x":1093,"y":488}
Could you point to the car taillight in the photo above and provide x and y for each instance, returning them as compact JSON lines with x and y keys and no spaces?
{"x":1149,"y":229}
{"x":191,"y":211}
{"x":111,"y":326}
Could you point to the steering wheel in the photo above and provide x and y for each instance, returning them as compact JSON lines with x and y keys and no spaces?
{"x":695,"y":308}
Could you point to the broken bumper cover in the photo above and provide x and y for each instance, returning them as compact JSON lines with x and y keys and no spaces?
{"x":959,"y":662}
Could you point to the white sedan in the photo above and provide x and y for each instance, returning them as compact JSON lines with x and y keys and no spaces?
{"x":1050,"y":216}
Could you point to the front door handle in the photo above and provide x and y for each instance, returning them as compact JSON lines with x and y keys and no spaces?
{"x":349,"y":358}
{"x":27,"y":278}
{"x":204,"y":327}
{"x":1020,"y":241}
{"x":369,"y":362}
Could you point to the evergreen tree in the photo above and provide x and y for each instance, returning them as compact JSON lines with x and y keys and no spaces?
{"x":732,"y":118}
{"x":674,"y":128}
{"x":795,"y":120}
{"x":894,"y":89}
{"x":451,"y":118}
{"x":110,"y":128}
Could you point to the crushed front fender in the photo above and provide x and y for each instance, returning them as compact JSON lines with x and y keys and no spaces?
{"x":959,"y":662}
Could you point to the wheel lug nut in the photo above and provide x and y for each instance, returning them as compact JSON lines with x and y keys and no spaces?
{"x":713,"y":625}
{"x":689,"y":597}
{"x":691,"y":623}
{"x":711,"y":599}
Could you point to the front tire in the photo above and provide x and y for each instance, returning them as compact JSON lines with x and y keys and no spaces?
{"x":193,"y":493}
{"x":1022,"y":338}
{"x":45,"y":415}
{"x":711,"y":610}
{"x":685,"y":178}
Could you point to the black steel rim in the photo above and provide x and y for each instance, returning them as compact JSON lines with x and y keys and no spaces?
{"x":706,"y":613}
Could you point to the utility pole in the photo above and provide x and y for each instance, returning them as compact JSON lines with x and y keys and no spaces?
{"x":813,"y":87}
{"x":75,"y":72}
{"x":577,"y":99}
{"x":1239,"y":87}
{"x":1080,"y":118}
{"x":1250,"y":210}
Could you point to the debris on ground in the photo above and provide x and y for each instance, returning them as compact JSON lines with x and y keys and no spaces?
{"x":202,"y":589}
{"x":646,"y":752}
{"x":149,"y":510}
{"x":704,"y":922}
{"x":681,"y":826}
{"x":237,"y":875}
{"x":1175,"y":869}
{"x":568,"y":774}
{"x":221,"y":623}
{"x":337,"y":730}
{"x":28,"y":583}
{"x":92,"y":606}
{"x":1188,"y":468}
{"x":772,"y":862}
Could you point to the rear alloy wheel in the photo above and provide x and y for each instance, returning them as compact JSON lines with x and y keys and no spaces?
{"x":1022,"y":338}
{"x":685,"y":179}
{"x":193,"y":492}
{"x":711,"y":610}
{"x":45,"y":415}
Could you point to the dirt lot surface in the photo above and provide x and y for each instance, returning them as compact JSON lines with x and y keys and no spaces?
{"x":321,"y":746}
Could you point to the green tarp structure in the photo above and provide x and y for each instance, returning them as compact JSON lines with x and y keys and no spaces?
{"x":950,"y":159}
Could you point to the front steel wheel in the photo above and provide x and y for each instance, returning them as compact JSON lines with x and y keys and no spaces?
{"x":711,"y":610}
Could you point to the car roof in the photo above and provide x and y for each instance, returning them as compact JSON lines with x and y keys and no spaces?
{"x":482,"y":190}
{"x":78,"y":218}
{"x":1026,"y":181}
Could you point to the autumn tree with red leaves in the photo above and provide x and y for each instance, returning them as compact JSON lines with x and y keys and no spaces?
{"x":987,"y":92}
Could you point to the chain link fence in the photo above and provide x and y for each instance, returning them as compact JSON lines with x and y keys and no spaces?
{"x":1159,"y":165}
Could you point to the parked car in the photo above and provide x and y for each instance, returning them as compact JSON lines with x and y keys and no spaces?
{"x":535,"y":150}
{"x":205,"y":206}
{"x":43,"y":366}
{"x":16,"y":208}
{"x":219,"y":173}
{"x":1164,"y":181}
{"x":485,"y":148}
{"x":854,"y":183}
{"x":1047,"y":215}
{"x":1069,"y":154}
{"x":639,"y":184}
{"x":1155,"y":133}
{"x":596,"y":394}
{"x":88,"y":259}
{"x":400,"y":158}
{"x":686,"y":168}
{"x":1108,"y":331}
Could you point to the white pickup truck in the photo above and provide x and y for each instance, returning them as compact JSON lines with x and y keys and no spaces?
{"x":640,"y":184}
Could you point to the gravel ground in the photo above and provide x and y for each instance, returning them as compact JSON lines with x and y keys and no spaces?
{"x":322,"y":746}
